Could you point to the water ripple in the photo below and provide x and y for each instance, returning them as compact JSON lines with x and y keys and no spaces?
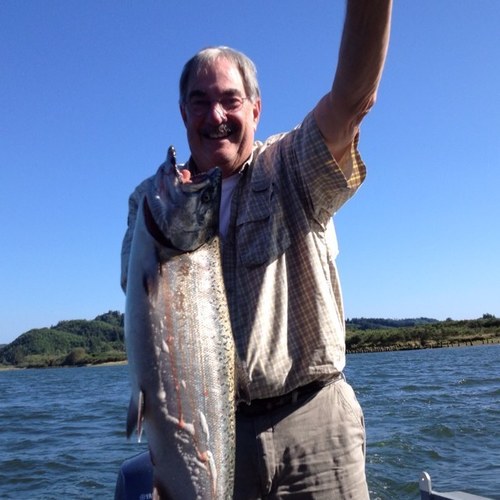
{"x":435,"y":410}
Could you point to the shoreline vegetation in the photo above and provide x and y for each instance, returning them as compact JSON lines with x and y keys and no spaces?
{"x":101,"y":341}
{"x":380,"y":335}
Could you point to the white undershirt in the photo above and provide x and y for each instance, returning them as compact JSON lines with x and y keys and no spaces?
{"x":228,"y":186}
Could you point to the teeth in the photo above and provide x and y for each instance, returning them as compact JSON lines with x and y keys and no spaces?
{"x":222,"y":131}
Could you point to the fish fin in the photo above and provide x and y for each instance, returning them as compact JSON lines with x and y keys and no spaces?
{"x":242,"y":382}
{"x":135,"y":416}
{"x":159,"y":493}
{"x":131,"y":417}
{"x":149,"y":285}
{"x":156,"y":494}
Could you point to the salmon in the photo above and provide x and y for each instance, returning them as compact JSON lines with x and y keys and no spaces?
{"x":180,"y":348}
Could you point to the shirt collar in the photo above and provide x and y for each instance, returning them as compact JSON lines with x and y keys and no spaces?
{"x":193,"y":168}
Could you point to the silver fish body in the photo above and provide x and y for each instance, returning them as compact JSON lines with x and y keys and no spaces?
{"x":179,"y":343}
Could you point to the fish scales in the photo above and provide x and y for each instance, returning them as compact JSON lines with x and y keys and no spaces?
{"x":181,"y":360}
{"x":199,"y":364}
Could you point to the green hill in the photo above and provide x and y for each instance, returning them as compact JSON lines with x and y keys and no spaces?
{"x":69,"y":343}
{"x":84,"y":342}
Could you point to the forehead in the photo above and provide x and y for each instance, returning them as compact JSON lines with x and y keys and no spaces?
{"x":219,"y":75}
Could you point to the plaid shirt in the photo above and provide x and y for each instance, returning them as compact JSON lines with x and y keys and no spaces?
{"x":279,"y":260}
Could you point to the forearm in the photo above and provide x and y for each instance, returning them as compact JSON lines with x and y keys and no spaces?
{"x":362,"y":53}
{"x":361,"y":60}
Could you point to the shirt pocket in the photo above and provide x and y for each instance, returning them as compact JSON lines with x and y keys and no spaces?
{"x":262,"y":234}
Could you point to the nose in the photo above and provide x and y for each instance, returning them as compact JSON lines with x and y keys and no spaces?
{"x":217,"y":112}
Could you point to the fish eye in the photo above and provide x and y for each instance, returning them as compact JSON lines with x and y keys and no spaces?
{"x":206,"y":197}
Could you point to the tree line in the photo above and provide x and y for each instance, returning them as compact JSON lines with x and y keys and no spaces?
{"x":90,"y":342}
{"x":371,"y":334}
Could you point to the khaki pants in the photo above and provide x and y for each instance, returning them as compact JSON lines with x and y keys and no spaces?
{"x":311,"y":449}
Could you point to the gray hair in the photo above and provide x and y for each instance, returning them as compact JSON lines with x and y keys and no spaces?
{"x":207,"y":56}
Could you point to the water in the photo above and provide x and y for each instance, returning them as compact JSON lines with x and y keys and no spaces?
{"x":62,"y":430}
{"x":436,"y":410}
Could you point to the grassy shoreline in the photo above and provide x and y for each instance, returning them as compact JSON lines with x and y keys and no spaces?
{"x":89,"y":365}
{"x":366,"y":349}
{"x":433,"y":345}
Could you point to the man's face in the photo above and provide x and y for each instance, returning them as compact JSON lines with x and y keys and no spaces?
{"x":217,"y":137}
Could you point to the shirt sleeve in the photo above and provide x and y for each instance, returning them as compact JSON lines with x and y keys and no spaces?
{"x":323,"y":183}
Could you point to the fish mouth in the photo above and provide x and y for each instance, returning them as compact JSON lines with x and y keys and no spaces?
{"x":203,"y":176}
{"x":201,"y":179}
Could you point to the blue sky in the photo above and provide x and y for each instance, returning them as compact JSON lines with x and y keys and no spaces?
{"x":88,"y":107}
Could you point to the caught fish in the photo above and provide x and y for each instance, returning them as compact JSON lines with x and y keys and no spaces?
{"x":179,"y":343}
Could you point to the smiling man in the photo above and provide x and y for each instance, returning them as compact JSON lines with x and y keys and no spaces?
{"x":302,"y":436}
{"x":220,"y":114}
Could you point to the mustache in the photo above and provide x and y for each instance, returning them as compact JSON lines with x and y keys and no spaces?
{"x":222,"y":129}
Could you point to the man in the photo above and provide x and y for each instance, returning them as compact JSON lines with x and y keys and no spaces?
{"x":303,"y":435}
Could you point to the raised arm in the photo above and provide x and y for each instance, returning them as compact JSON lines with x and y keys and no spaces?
{"x":363,"y":49}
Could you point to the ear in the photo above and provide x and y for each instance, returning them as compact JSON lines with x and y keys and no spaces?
{"x":182,"y":109}
{"x":257,"y":106}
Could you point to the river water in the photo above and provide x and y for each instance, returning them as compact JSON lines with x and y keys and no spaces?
{"x":62,"y":430}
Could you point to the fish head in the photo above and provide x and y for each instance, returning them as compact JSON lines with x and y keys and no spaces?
{"x":182,"y":211}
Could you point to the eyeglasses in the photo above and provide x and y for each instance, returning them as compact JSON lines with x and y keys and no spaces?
{"x":200,"y":106}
